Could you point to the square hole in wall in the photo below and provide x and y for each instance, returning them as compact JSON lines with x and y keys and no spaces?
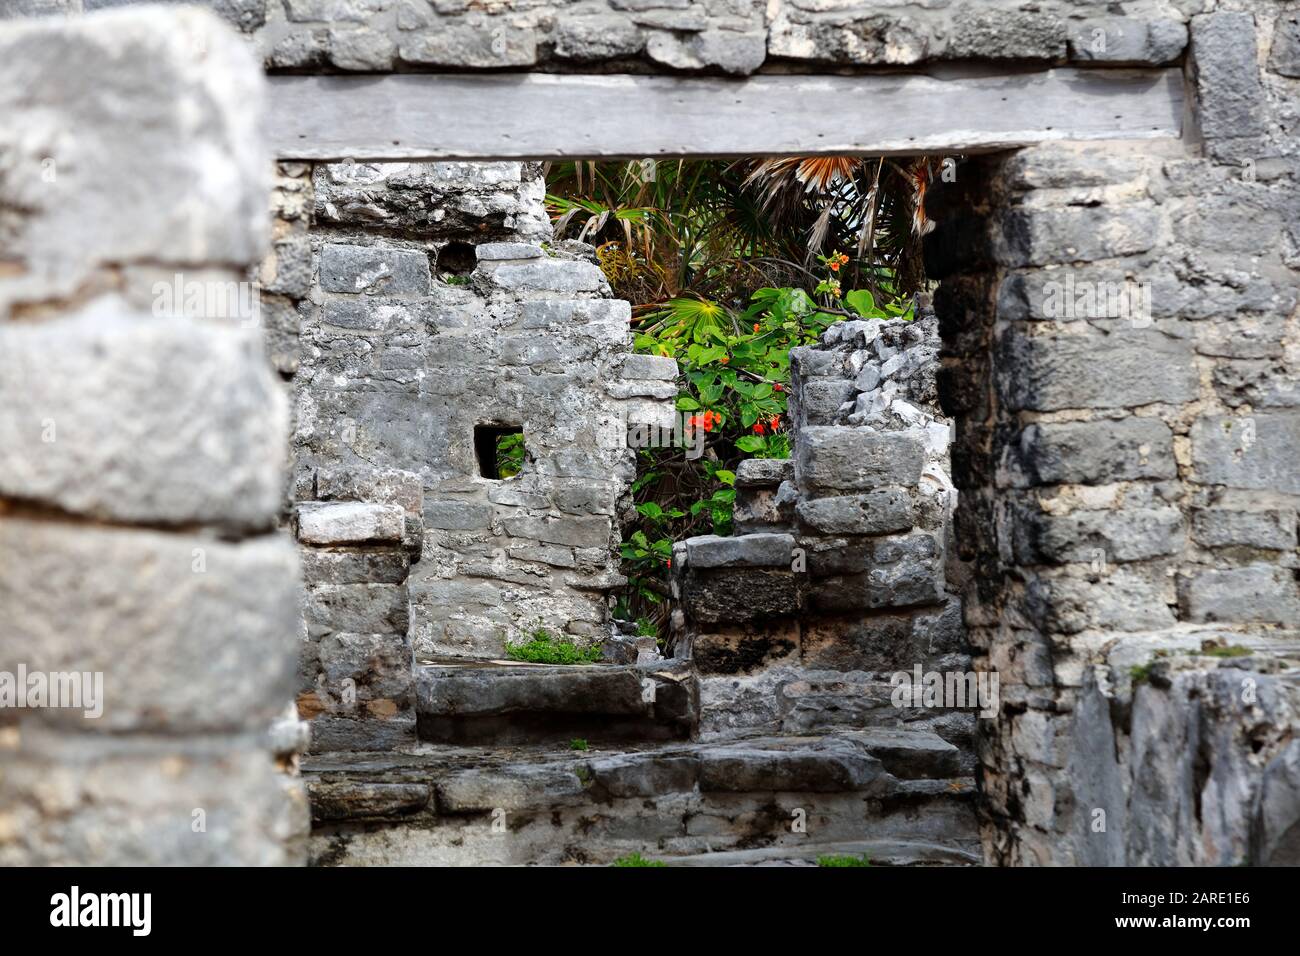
{"x":499,"y":449}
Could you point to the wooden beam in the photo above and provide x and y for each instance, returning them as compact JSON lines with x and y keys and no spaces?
{"x":548,"y":116}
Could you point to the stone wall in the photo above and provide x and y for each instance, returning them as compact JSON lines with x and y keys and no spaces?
{"x":837,"y":577}
{"x":734,"y":37}
{"x":1128,"y":488}
{"x":141,"y":572}
{"x":414,"y":303}
{"x":1120,"y":335}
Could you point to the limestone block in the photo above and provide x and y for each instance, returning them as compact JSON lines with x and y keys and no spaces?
{"x":126,"y":417}
{"x":73,"y":800}
{"x":349,"y":523}
{"x":858,"y":458}
{"x":73,"y":204}
{"x":191,"y":633}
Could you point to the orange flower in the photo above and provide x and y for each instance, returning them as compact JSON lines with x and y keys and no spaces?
{"x":725,"y":359}
{"x":778,"y":387}
{"x":835,"y":265}
{"x":758,"y":428}
{"x":757,"y":326}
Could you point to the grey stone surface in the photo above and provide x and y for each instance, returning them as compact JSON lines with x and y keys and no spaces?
{"x":747,"y":551}
{"x":157,"y":614}
{"x":73,"y":205}
{"x":877,"y":512}
{"x":1230,"y":96}
{"x":1256,"y":452}
{"x":349,"y":522}
{"x":857,"y":458}
{"x":120,"y":416}
{"x":372,"y":269}
{"x":1256,"y":592}
{"x":1124,"y":41}
{"x":1098,"y":452}
{"x":75,"y":801}
{"x":1223,"y":527}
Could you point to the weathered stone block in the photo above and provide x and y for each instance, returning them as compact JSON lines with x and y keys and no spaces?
{"x":1050,"y":368}
{"x":1222,"y":527}
{"x":506,"y":251}
{"x":378,"y":665}
{"x":1037,"y":236}
{"x":74,"y":800}
{"x":1284,"y":55}
{"x":764,"y":472}
{"x":354,"y":567}
{"x":350,"y":522}
{"x":457,"y":515}
{"x":750,"y":550}
{"x":1122,"y":600}
{"x":577,"y":532}
{"x":858,"y":458}
{"x":652,"y":367}
{"x":356,"y":800}
{"x":550,"y":275}
{"x":901,"y":571}
{"x":877,"y":512}
{"x":977,"y":34}
{"x":157,"y":615}
{"x":1257,"y":451}
{"x":1097,"y":452}
{"x":208,"y":175}
{"x":832,"y":766}
{"x":740,"y":594}
{"x":1127,"y":41}
{"x":1258,"y":592}
{"x":482,"y":44}
{"x":371,"y":269}
{"x":818,"y":401}
{"x":1229,"y":93}
{"x":129,"y":418}
{"x":356,"y":609}
{"x":1130,"y":534}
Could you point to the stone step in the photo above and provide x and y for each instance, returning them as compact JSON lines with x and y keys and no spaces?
{"x":451,"y":805}
{"x":463,"y":701}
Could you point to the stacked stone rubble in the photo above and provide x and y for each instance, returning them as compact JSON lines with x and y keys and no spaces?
{"x":835,"y":580}
{"x":1120,"y":335}
{"x":144,"y":455}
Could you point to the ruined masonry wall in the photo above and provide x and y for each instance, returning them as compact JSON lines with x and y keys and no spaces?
{"x":408,"y":304}
{"x":838,"y":574}
{"x":143,"y":454}
{"x":1129,"y":479}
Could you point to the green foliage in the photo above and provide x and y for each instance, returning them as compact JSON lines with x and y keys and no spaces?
{"x":636,"y":859}
{"x":728,"y":266}
{"x":510,"y":454}
{"x":1232,"y":650}
{"x":542,"y":647}
{"x":843,"y":860}
{"x":1140,"y":673}
{"x":735,"y":375}
{"x":577,"y":743}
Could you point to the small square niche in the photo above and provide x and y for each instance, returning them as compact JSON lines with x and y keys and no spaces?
{"x":499,"y":450}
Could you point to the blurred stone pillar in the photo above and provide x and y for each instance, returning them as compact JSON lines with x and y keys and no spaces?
{"x":148,"y":603}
